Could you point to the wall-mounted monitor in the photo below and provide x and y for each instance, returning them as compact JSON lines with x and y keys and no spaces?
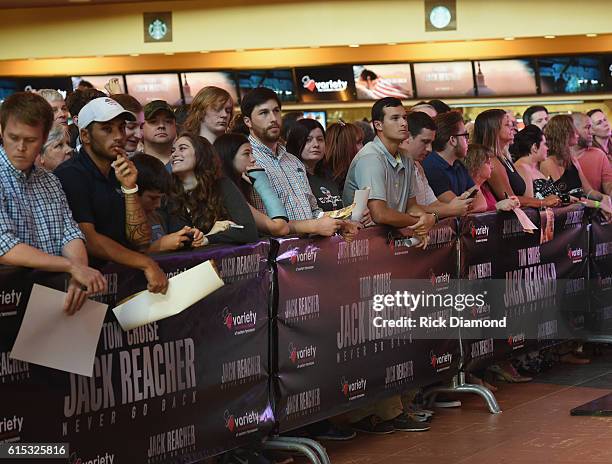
{"x":448,"y":79}
{"x":383,"y":80}
{"x":196,"y":81}
{"x":320,"y":116}
{"x":98,"y":81}
{"x":279,"y":80}
{"x":572,"y":74}
{"x":325,"y":84}
{"x":9,"y":85}
{"x":149,"y":87}
{"x":505,"y":77}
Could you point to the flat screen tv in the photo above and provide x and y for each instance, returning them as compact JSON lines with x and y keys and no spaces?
{"x":444,"y":79}
{"x":374,"y":81}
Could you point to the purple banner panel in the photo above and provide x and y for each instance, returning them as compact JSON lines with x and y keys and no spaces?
{"x":183,"y":388}
{"x":331,"y":357}
{"x":538,"y":279}
{"x":600,"y":317}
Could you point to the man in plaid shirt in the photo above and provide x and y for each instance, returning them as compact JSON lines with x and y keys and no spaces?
{"x":36,"y":225}
{"x":261,"y":110}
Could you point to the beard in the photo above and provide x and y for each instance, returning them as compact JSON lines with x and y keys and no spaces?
{"x":267,"y":136}
{"x":100,"y":150}
{"x":584,"y":143}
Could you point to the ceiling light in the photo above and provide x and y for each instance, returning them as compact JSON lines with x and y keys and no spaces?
{"x":314,"y":46}
{"x":204,"y":51}
{"x":392,"y":43}
{"x":169,"y":53}
{"x":508,"y":38}
{"x":134,"y":54}
{"x":240,"y":50}
{"x":591,"y":35}
{"x":354,"y":45}
{"x":550,"y":36}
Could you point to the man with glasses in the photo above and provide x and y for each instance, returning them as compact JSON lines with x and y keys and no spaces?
{"x":445,"y":172}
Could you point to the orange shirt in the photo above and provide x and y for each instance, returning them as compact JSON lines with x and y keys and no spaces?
{"x":596,"y":167}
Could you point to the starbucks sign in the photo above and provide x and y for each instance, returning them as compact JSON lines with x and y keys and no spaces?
{"x":157,"y":27}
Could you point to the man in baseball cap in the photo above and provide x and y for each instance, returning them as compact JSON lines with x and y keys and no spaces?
{"x":100,"y":184}
{"x":159,"y":130}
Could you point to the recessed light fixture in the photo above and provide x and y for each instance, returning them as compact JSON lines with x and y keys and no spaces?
{"x":508,"y":38}
{"x":354,"y":45}
{"x":315,"y":46}
{"x":392,"y":43}
{"x":550,"y":36}
{"x":204,"y":51}
{"x":169,"y":53}
{"x":240,"y":50}
{"x":134,"y":54}
{"x":591,"y":35}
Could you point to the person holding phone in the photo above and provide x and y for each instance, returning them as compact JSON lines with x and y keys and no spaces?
{"x":202,"y":198}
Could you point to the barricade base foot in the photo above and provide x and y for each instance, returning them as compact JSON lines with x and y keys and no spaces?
{"x":312,"y":449}
{"x":430,"y":395}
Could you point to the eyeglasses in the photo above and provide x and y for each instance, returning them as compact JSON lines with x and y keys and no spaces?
{"x":465,"y":134}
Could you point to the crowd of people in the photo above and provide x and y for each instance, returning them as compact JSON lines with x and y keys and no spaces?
{"x":97,"y":178}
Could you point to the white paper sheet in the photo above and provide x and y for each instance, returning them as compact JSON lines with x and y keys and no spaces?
{"x":528,"y":226}
{"x":361,"y":203}
{"x":50,"y":337}
{"x":184,"y":290}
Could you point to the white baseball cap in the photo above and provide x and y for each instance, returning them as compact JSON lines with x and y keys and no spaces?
{"x":101,"y":110}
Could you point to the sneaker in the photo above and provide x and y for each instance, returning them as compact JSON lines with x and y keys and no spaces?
{"x":374,"y":425}
{"x":444,"y":401}
{"x":405,"y":423}
{"x":327,"y":430}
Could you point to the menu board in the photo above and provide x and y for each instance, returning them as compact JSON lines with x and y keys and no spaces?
{"x":505,"y":77}
{"x":383,"y":80}
{"x":572,"y":74}
{"x":325,"y":84}
{"x":444,"y":79}
{"x":149,"y":87}
{"x":196,"y":81}
{"x":279,"y":80}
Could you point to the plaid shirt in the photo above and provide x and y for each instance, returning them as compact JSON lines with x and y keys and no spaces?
{"x":288,"y":178}
{"x":33,"y":210}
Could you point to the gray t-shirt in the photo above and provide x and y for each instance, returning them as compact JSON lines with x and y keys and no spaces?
{"x":390,"y":179}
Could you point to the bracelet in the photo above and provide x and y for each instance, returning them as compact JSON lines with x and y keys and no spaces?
{"x":587,"y":197}
{"x":129,"y":191}
{"x":597,"y":204}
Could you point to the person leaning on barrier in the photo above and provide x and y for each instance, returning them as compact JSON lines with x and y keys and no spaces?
{"x":100,"y":184}
{"x":56,"y":149}
{"x":261,"y":110}
{"x":479,"y":165}
{"x":422,"y":131}
{"x":153,"y":187}
{"x":236,"y":155}
{"x":202,"y":198}
{"x":390,"y":175}
{"x":36,"y":226}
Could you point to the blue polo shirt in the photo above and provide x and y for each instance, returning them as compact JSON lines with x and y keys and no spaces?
{"x":443,"y":177}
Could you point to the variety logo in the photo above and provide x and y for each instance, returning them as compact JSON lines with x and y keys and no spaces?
{"x":240,"y":324}
{"x":516,"y":341}
{"x":9,"y":302}
{"x":304,"y":260}
{"x":574,"y":254}
{"x":302,"y":357}
{"x":353,"y":390}
{"x":242,"y":425}
{"x":106,"y":458}
{"x":311,"y":85}
{"x":442,"y":362}
{"x":10,"y":428}
{"x":440,"y":282}
{"x":479,"y":234}
{"x":481,"y":312}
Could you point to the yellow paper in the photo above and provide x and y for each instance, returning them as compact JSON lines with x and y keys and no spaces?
{"x":184,"y":290}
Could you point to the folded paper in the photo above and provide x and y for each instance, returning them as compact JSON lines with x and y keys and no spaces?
{"x":361,"y":204}
{"x":184,"y":290}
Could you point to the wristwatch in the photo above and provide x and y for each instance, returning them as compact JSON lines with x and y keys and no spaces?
{"x":436,"y":217}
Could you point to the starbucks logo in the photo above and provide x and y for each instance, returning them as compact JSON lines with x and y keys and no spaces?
{"x":158,"y":29}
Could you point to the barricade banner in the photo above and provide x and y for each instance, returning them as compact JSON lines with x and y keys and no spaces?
{"x":535,"y":281}
{"x":600,"y":288}
{"x":176,"y":390}
{"x":331,"y":356}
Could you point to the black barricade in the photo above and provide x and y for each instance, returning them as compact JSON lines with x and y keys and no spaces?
{"x":600,"y":290}
{"x":178,"y":390}
{"x":538,"y":280}
{"x":331,"y":358}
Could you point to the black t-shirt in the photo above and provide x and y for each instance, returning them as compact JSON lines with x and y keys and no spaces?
{"x":93,"y":197}
{"x":329,"y":197}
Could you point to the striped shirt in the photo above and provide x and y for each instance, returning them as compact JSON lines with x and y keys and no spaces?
{"x":33,"y":210}
{"x":288,"y":178}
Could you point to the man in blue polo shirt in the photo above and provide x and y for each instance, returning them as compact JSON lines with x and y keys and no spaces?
{"x":446,"y":174}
